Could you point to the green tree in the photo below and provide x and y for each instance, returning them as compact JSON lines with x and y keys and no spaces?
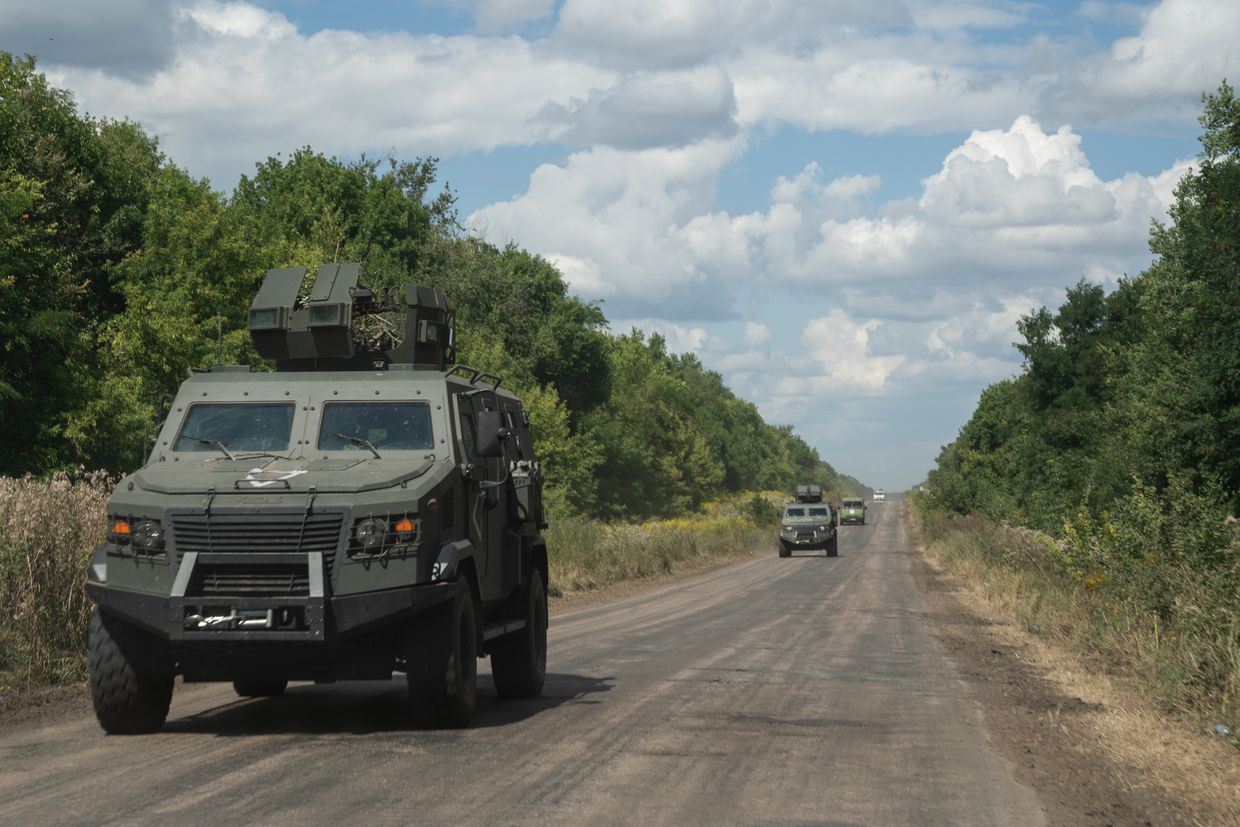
{"x":75,"y":190}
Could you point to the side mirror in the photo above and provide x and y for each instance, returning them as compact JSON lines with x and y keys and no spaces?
{"x":491,"y":434}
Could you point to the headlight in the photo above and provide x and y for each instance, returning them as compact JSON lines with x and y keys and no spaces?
{"x":142,"y":534}
{"x":148,"y":536}
{"x":390,"y":534}
{"x":370,"y":533}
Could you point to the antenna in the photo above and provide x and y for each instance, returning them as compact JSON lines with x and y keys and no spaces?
{"x":219,"y":337}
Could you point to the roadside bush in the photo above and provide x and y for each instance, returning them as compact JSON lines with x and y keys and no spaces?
{"x":588,"y":554}
{"x":48,"y":529}
{"x":1152,"y":587}
{"x":761,"y":511}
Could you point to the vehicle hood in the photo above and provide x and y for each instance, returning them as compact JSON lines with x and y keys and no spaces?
{"x":274,"y":476}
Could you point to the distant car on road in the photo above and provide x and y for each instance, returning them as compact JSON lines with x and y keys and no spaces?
{"x":808,"y":526}
{"x":852,"y":511}
{"x":880,"y":496}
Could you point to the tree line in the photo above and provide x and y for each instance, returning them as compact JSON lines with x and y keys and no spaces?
{"x":1120,"y":438}
{"x":120,"y":271}
{"x":1133,"y":391}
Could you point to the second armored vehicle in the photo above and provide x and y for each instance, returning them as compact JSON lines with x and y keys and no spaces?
{"x":852,"y":511}
{"x":365,"y":509}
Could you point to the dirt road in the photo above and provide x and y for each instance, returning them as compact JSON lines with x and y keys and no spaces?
{"x":802,"y":690}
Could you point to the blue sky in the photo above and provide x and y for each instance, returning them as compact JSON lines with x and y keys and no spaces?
{"x":842,"y":207}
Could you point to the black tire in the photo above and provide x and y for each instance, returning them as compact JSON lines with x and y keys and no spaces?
{"x":519,"y":660}
{"x":833,"y":550}
{"x":130,"y":694}
{"x":784,"y":551}
{"x":260,"y":689}
{"x":441,"y":663}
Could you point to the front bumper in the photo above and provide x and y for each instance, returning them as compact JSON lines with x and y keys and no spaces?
{"x":317,"y":618}
{"x":816,"y":540}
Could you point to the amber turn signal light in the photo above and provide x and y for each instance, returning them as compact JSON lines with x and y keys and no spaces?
{"x":403,"y":526}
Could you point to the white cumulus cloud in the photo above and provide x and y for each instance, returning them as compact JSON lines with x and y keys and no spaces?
{"x":842,"y":349}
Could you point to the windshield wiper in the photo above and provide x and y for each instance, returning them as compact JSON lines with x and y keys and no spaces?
{"x":360,"y":441}
{"x":254,"y":454}
{"x":215,"y":443}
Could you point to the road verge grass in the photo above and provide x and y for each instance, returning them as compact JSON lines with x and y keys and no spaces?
{"x":585,"y":555}
{"x":1155,"y":728}
{"x":1171,"y":630}
{"x":48,"y":530}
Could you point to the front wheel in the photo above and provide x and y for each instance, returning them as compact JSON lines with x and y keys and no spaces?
{"x":519,"y":660}
{"x":131,"y":695}
{"x":784,"y":550}
{"x":833,"y":550}
{"x":441,"y":663}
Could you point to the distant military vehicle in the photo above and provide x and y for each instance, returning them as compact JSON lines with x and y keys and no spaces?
{"x":366,"y":508}
{"x":880,"y":495}
{"x":852,"y":511}
{"x":807,"y":524}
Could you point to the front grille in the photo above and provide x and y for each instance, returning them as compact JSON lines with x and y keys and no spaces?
{"x":249,"y":580}
{"x":241,"y":533}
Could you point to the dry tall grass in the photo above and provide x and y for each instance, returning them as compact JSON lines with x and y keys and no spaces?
{"x":584,"y":554}
{"x":48,"y":530}
{"x":1183,"y":645}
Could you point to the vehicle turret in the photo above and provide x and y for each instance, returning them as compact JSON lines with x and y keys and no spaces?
{"x":342,"y":325}
{"x":809,"y":494}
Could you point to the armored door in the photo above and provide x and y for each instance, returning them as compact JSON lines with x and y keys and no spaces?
{"x":484,"y":513}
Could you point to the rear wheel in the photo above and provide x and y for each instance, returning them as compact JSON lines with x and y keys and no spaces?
{"x":260,"y":689}
{"x":130,"y":694}
{"x":441,"y":663}
{"x":519,"y":660}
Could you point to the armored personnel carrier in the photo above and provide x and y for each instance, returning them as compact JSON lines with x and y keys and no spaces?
{"x":365,"y":509}
{"x":808,"y":523}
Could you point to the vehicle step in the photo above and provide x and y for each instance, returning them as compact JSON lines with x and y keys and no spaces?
{"x":500,"y":629}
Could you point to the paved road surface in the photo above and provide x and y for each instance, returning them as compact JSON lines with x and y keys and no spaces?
{"x":793,"y":691}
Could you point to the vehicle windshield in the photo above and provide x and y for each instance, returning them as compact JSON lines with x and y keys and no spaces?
{"x":794,"y":512}
{"x":819,"y":512}
{"x":392,"y":426}
{"x":238,"y":426}
{"x":853,"y":503}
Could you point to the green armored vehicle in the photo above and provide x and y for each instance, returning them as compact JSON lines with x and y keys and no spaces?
{"x":365,"y":509}
{"x":807,"y":523}
{"x":852,"y":511}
